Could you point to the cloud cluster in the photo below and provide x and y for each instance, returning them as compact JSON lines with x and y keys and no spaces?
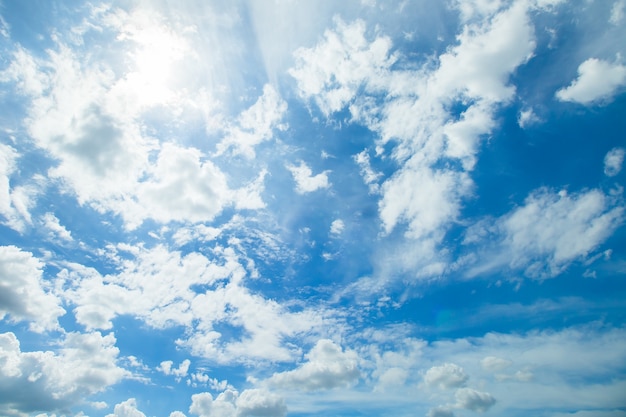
{"x":24,"y":295}
{"x":41,"y":381}
{"x":327,"y":366}
{"x":251,"y":402}
{"x":597,"y":80}
{"x":550,"y":231}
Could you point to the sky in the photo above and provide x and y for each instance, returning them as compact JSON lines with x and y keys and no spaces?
{"x":312,"y":208}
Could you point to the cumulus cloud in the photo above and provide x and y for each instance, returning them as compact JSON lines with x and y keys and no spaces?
{"x":550,"y":231}
{"x":336,"y":227}
{"x":24,"y":295}
{"x":328,"y":367}
{"x":306,"y":182}
{"x":597,"y":80}
{"x":181,"y":371}
{"x":85,"y":364}
{"x":426,"y":192}
{"x":448,"y":375}
{"x":126,"y":408}
{"x":89,"y":118}
{"x":613,"y":161}
{"x":471,"y":399}
{"x":251,"y":402}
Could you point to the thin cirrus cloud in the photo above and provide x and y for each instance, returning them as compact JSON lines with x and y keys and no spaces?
{"x":273,"y":209}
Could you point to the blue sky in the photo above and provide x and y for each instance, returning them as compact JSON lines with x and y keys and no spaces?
{"x":290,"y":208}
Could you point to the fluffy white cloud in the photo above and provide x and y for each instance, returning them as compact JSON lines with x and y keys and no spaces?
{"x":336,"y":227}
{"x":181,"y":371}
{"x":260,"y":403}
{"x":426,"y":192}
{"x":448,"y":375}
{"x":550,"y":231}
{"x":24,"y":295}
{"x":306,"y":182}
{"x":255,"y":124}
{"x":47,"y":381}
{"x":52,"y":223}
{"x":597,"y":80}
{"x":332,"y":72}
{"x":15,"y":201}
{"x":126,"y":408}
{"x":471,"y":399}
{"x":91,"y":119}
{"x":251,"y":402}
{"x":613,"y":161}
{"x":328,"y":366}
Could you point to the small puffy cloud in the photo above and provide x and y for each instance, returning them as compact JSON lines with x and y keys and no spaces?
{"x":260,"y":403}
{"x":177,"y":414}
{"x":181,"y":371}
{"x":251,"y":402}
{"x":328,"y":367}
{"x":336,"y":227}
{"x":448,"y":375}
{"x":597,"y":80}
{"x":526,"y":118}
{"x":306,"y":182}
{"x":24,"y":295}
{"x":613,"y":161}
{"x":470,"y":399}
{"x":127,"y":408}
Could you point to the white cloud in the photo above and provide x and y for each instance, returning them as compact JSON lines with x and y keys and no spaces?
{"x":181,"y":371}
{"x":471,"y":399}
{"x":426,"y":192}
{"x":425,"y":198}
{"x":85,"y":364}
{"x":336,"y":227}
{"x":260,"y":403}
{"x":51,"y":222}
{"x":126,"y":408}
{"x":494,"y":364}
{"x":158,"y":286}
{"x":597,"y":80}
{"x":549,"y":232}
{"x":370,"y":177}
{"x":24,"y":294}
{"x":617,"y":12}
{"x":328,"y":366}
{"x":448,"y":375}
{"x":526,"y":118}
{"x":255,"y":124}
{"x":251,"y":402}
{"x":90,"y":119}
{"x":15,"y":201}
{"x":613,"y":161}
{"x":332,"y":72}
{"x":306,"y":182}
